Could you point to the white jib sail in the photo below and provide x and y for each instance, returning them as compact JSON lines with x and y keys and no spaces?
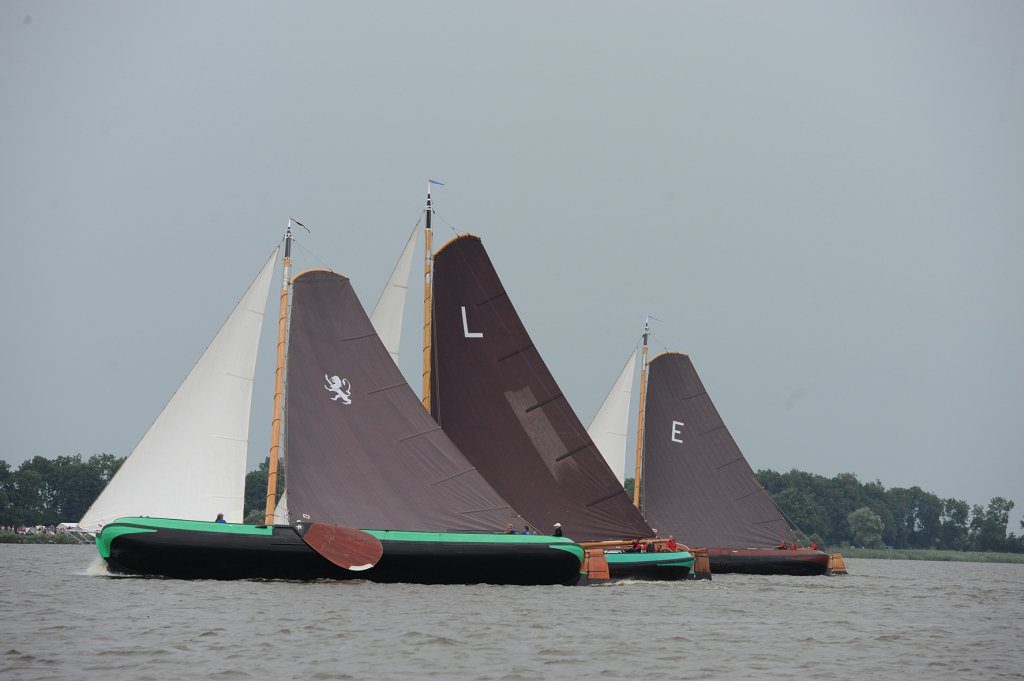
{"x":190,"y":464}
{"x":387,"y":314}
{"x":608,"y":429}
{"x":281,"y":510}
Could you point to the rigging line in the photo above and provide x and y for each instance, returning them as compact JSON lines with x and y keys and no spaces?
{"x":457,"y":232}
{"x":313,"y":255}
{"x":660,"y":342}
{"x":789,"y":520}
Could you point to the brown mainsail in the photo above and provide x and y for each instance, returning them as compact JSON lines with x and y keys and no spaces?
{"x":361,"y":450}
{"x":496,"y":399}
{"x":697,"y":484}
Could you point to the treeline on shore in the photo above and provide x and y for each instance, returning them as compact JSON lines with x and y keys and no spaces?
{"x":833,"y":512}
{"x":842,"y":510}
{"x":46,"y":492}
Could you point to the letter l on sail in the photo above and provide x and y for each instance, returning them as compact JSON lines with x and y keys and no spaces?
{"x":465,"y":327}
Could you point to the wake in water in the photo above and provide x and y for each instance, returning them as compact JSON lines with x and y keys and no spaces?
{"x":97,"y":568}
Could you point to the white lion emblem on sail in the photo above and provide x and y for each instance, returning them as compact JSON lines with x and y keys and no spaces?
{"x":341,"y":388}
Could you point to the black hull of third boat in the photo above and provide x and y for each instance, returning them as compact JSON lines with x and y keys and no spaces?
{"x":800,"y":563}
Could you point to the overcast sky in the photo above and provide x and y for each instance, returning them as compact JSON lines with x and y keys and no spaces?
{"x":824,"y":202}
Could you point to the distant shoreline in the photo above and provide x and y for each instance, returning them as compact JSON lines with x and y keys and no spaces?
{"x":14,"y":538}
{"x":848,"y":552}
{"x":933,"y":554}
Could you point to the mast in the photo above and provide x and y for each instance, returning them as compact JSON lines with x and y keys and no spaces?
{"x":640,"y":418}
{"x":428,"y":257}
{"x":282,"y":329}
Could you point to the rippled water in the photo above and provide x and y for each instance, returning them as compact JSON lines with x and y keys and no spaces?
{"x":888,"y":619}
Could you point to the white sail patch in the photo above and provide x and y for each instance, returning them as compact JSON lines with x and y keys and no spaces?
{"x":281,"y":510}
{"x":341,"y":388}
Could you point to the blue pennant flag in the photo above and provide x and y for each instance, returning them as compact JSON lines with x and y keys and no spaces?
{"x":436,"y":182}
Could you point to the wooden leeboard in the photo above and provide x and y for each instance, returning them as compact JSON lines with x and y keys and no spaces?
{"x":344,"y":546}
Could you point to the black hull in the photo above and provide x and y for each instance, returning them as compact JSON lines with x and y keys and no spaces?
{"x":800,"y":563}
{"x":189,"y":554}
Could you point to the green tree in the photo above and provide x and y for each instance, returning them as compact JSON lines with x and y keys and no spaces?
{"x":803,"y":511}
{"x":256,"y":490}
{"x":900,"y":501}
{"x":927,"y":528}
{"x":772,"y":481}
{"x":955,"y":524}
{"x":6,"y":515}
{"x":27,"y":496}
{"x":989,"y":526}
{"x":865,"y":527}
{"x":105,"y":466}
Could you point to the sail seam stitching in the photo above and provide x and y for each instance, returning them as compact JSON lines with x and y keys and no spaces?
{"x":729,"y":463}
{"x":541,"y":404}
{"x":492,"y":299}
{"x":352,"y":338}
{"x":776,"y":520}
{"x":711,"y":430}
{"x":514,"y":353}
{"x":747,"y":495}
{"x":604,"y":499}
{"x":485,"y":510}
{"x":228,"y":437}
{"x":568,"y":454}
{"x":426,"y":432}
{"x":451,"y":477}
{"x":387,"y":387}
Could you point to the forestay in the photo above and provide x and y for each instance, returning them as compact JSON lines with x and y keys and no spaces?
{"x":608,"y":429}
{"x":697,"y":484}
{"x":362,"y":451}
{"x":190,"y":464}
{"x":496,"y":399}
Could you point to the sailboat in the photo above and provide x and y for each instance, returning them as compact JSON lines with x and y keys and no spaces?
{"x":692,"y":480}
{"x":488,"y":388}
{"x":362,"y":453}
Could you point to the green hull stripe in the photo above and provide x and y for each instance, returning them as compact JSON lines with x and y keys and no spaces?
{"x":666,"y":559}
{"x":469,"y":537}
{"x":194,"y":525}
{"x":109,"y":534}
{"x":571,"y":548}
